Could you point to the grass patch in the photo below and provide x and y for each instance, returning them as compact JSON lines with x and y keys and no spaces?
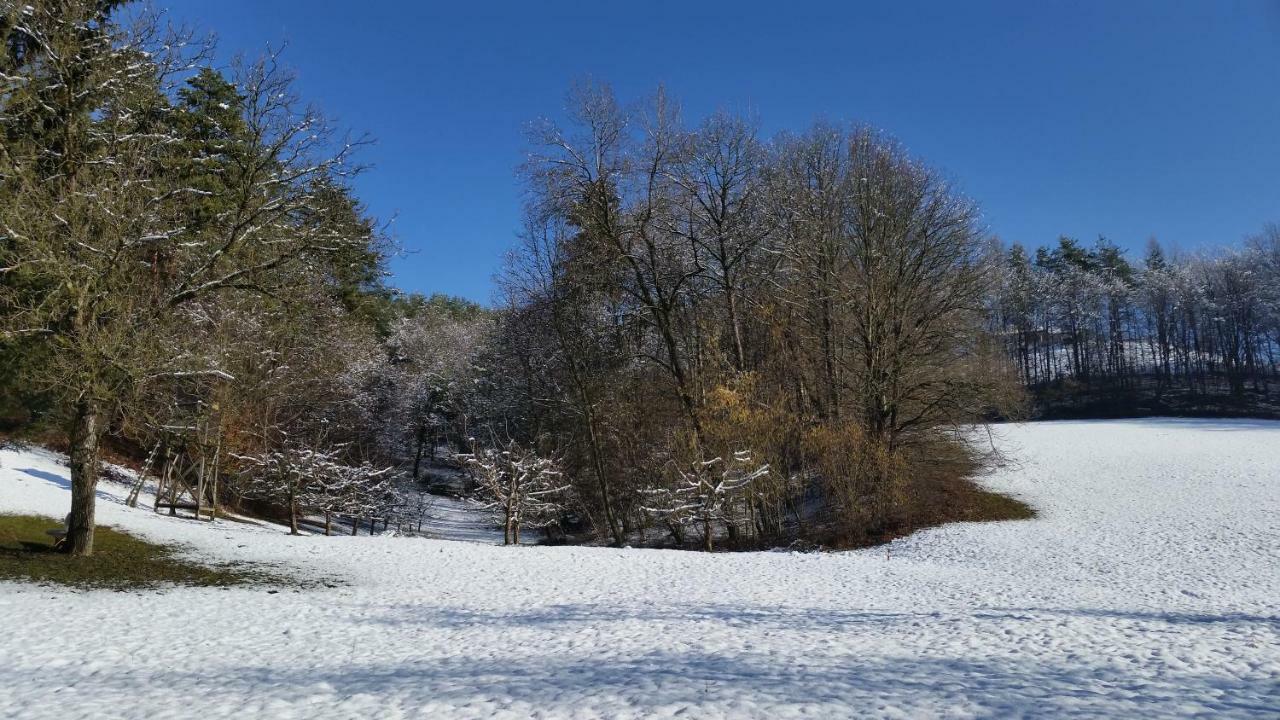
{"x":963,"y":500}
{"x":939,"y":497}
{"x":937,"y":486}
{"x":120,"y":561}
{"x":938,"y":502}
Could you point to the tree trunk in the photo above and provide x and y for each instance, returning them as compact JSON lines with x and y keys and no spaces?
{"x":736,"y":325}
{"x":200,"y":480}
{"x":217,"y":458}
{"x":832,"y":410}
{"x":587,"y":408}
{"x":293,"y":514}
{"x":421,"y":437}
{"x":601,"y":479}
{"x":328,"y":523}
{"x":86,"y":431}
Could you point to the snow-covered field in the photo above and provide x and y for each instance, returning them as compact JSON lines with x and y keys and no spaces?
{"x":1147,"y":588}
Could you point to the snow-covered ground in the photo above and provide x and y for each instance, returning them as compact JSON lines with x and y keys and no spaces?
{"x":1148,"y":587}
{"x":461,"y":519}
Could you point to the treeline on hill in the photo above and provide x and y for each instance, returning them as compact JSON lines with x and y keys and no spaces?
{"x":1094,"y":334}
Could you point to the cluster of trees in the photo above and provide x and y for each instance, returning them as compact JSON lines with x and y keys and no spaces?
{"x":703,"y":335}
{"x":724,"y":338}
{"x":429,"y":392}
{"x":1085,"y":324}
{"x":182,"y":263}
{"x":320,"y":480}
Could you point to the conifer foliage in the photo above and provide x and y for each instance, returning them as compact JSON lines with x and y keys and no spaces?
{"x":142,"y":189}
{"x":1091,"y":330}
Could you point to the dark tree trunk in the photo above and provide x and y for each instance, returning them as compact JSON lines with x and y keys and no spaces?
{"x":293,"y":514}
{"x":86,"y":431}
{"x":417,"y":455}
{"x":615,"y":528}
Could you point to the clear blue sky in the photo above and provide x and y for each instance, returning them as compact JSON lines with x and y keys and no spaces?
{"x":1124,"y":118}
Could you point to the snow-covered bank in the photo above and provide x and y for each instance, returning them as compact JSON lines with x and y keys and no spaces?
{"x":1147,"y":587}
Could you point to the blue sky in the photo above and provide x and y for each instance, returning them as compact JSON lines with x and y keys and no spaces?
{"x":1128,"y":119}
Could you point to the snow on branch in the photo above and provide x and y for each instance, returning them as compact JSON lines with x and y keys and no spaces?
{"x":707,"y":493}
{"x":520,"y":487}
{"x":307,"y":479}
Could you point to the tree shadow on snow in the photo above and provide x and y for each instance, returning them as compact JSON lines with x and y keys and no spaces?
{"x":458,"y":617}
{"x":1140,"y":616}
{"x":61,"y":481}
{"x":781,"y":618}
{"x":742,"y":683}
{"x":1190,"y":423}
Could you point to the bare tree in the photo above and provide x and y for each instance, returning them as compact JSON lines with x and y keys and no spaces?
{"x":522,"y":489}
{"x":708,"y":494}
{"x":722,"y":175}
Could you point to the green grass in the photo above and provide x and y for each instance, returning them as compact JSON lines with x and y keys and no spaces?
{"x":120,"y":561}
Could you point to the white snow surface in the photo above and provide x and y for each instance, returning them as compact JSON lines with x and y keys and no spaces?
{"x":1147,"y":587}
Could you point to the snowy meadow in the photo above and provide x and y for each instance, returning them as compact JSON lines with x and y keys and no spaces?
{"x":1146,"y":586}
{"x":715,"y":445}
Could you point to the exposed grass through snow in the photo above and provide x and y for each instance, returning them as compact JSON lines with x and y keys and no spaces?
{"x":120,"y":561}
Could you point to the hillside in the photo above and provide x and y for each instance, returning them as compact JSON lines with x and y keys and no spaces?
{"x":1146,"y":585}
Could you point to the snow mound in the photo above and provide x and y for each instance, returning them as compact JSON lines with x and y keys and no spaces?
{"x":1146,"y":588}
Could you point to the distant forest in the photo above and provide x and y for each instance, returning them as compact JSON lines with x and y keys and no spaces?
{"x":1093,"y":333}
